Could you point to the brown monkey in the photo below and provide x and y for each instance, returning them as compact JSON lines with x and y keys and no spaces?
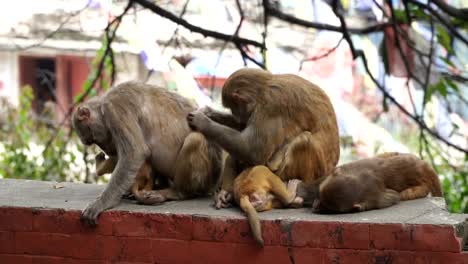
{"x":143,"y":181}
{"x":258,"y":189}
{"x":139,"y":123}
{"x":281,"y":121}
{"x":372,"y":183}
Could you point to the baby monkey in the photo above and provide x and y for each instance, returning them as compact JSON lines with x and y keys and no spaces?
{"x":144,"y":180}
{"x":372,"y":183}
{"x":259,"y":189}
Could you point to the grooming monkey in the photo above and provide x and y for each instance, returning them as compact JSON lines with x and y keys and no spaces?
{"x":258,"y":189}
{"x":372,"y":183}
{"x":137,"y":123}
{"x":281,"y":121}
{"x":144,"y":180}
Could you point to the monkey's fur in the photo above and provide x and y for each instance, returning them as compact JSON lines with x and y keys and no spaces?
{"x":137,"y":122}
{"x":372,"y":183}
{"x":144,"y":180}
{"x":281,"y":121}
{"x":258,"y":189}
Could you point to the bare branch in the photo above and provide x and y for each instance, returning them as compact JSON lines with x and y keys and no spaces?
{"x":52,"y":33}
{"x":461,"y":13}
{"x":321,"y":56}
{"x":442,"y":20}
{"x":420,"y":122}
{"x":297,"y":21}
{"x":207,"y":33}
{"x":344,"y":28}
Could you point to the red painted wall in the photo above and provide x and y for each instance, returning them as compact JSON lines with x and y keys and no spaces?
{"x":31,"y":235}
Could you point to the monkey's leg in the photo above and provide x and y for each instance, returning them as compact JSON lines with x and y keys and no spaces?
{"x":192,"y":173}
{"x":223,"y":196}
{"x":278,"y":188}
{"x":414,"y":192}
{"x":385,"y":199}
{"x":304,"y":159}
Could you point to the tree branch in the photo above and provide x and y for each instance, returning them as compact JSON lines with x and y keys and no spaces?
{"x":442,"y":20}
{"x":297,"y":21}
{"x":321,"y":56}
{"x":461,"y":13}
{"x":207,"y":33}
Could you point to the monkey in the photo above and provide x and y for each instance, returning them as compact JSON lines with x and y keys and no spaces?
{"x":258,"y":189}
{"x":371,"y":183}
{"x":144,"y":180}
{"x":281,"y":121}
{"x":137,"y":123}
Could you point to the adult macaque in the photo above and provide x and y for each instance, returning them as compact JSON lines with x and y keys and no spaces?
{"x":258,"y":189}
{"x":281,"y":121}
{"x":372,"y":183}
{"x":139,"y":123}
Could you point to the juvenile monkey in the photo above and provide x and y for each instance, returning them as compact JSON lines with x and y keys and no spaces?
{"x":137,"y":123}
{"x":143,"y":181}
{"x":258,"y":189}
{"x":281,"y":121}
{"x":372,"y":183}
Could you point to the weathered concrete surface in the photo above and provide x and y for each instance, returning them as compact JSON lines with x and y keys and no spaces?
{"x":75,"y":196}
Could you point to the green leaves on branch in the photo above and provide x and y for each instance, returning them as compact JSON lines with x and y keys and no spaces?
{"x":442,"y":87}
{"x":104,"y":57}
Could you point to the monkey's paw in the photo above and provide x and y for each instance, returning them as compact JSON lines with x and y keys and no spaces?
{"x":293,"y":183}
{"x":198,"y":120}
{"x":223,"y":199}
{"x":90,"y":215}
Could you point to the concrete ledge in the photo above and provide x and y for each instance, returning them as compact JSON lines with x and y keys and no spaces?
{"x":39,"y":223}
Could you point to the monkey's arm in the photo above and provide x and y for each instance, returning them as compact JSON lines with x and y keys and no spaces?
{"x":225,"y":119}
{"x":252,"y":146}
{"x":131,"y":151}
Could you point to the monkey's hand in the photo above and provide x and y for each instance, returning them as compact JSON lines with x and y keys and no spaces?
{"x":292,"y":186}
{"x":198,"y":120}
{"x":208,"y":111}
{"x":223,"y":199}
{"x":91,"y":212}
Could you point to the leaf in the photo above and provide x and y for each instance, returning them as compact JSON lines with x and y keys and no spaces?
{"x":400,"y":16}
{"x":430,"y":90}
{"x":442,"y":88}
{"x":449,"y":62}
{"x":452,"y":84}
{"x":443,"y":38}
{"x":58,"y":185}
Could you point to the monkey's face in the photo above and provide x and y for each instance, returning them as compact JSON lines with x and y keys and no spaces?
{"x":242,"y":111}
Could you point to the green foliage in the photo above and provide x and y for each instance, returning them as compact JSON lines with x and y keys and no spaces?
{"x":23,"y":142}
{"x":455,"y":186}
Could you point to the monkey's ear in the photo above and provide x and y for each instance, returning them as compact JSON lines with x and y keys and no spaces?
{"x":83,"y":113}
{"x":240,"y":99}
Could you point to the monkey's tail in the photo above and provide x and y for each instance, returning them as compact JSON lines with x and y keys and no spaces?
{"x":253,"y":218}
{"x":436,"y":188}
